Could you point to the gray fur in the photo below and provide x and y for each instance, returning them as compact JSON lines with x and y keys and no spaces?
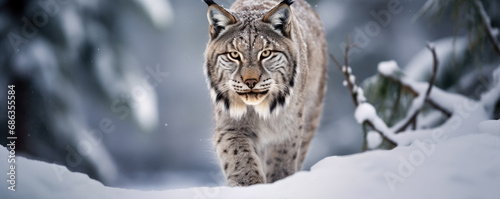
{"x":262,"y":133}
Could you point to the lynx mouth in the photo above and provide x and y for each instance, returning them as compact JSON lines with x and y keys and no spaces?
{"x":253,"y":93}
{"x":252,"y":97}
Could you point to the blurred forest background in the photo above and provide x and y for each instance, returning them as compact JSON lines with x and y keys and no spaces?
{"x":115,"y":89}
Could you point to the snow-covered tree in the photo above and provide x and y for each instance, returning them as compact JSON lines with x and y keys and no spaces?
{"x":66,"y":57}
{"x":406,"y":100}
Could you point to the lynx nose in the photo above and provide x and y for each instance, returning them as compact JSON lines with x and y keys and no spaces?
{"x":251,"y":83}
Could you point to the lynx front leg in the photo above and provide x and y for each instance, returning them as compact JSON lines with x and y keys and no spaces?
{"x":238,"y":158}
{"x":281,"y":161}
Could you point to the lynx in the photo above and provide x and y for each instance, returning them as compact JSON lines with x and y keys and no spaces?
{"x":265,"y":65}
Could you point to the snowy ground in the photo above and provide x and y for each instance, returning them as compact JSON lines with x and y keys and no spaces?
{"x":467,"y":166}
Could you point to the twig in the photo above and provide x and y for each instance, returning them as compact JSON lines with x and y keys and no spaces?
{"x":434,"y":70}
{"x":350,"y":87}
{"x":412,"y":119}
{"x":347,"y":74}
{"x":413,"y":91}
{"x":439,"y":108}
{"x":486,"y":24}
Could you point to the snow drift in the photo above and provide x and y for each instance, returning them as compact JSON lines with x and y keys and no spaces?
{"x":466,"y":166}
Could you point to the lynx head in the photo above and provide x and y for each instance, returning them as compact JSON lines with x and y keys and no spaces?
{"x":251,"y":59}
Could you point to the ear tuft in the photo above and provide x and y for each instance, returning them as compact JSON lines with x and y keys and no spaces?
{"x":280,"y":17}
{"x":209,"y":2}
{"x":287,"y":2}
{"x":218,"y":17}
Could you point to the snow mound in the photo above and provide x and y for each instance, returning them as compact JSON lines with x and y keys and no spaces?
{"x":374,"y":139}
{"x":388,"y":67}
{"x":364,"y":112}
{"x":463,"y":167}
{"x":490,"y":126}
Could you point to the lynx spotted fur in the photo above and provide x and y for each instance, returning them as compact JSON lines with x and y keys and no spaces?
{"x":266,"y":70}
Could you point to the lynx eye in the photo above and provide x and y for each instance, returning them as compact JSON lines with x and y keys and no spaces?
{"x":265,"y":54}
{"x":234,"y":55}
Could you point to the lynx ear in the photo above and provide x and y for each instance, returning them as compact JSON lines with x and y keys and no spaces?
{"x":218,"y":17}
{"x":280,"y":17}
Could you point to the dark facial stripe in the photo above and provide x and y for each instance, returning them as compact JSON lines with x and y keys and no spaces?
{"x":272,"y":106}
{"x":226,"y":103}
{"x":220,"y":75}
{"x":282,"y":76}
{"x":219,"y":96}
{"x":287,"y":91}
{"x":280,"y":99}
{"x":210,"y":70}
{"x":222,"y":96}
{"x":294,"y":68}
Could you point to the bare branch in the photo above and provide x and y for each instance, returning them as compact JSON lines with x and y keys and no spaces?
{"x":351,"y":85}
{"x":436,"y":106}
{"x":434,"y":70}
{"x":487,"y":26}
{"x":413,"y":91}
{"x":346,"y":52}
{"x":413,"y":118}
{"x":335,"y":61}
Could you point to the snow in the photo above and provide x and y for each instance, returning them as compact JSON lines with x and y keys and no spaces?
{"x":416,"y":105}
{"x":364,"y":112}
{"x":352,"y":79}
{"x":159,"y":11}
{"x":360,"y":95}
{"x":462,"y":167}
{"x":466,"y":118}
{"x":466,"y":114}
{"x":490,"y":98}
{"x":374,"y":139}
{"x":419,"y":68}
{"x":490,"y":126}
{"x":431,"y":45}
{"x":494,"y":32}
{"x":388,"y":67}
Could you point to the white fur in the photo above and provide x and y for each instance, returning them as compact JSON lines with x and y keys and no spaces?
{"x":223,"y":20}
{"x":237,"y":108}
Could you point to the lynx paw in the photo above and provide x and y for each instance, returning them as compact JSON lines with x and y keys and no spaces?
{"x":245,"y":180}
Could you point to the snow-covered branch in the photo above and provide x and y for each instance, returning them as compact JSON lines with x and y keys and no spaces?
{"x":358,"y":98}
{"x":449,"y":104}
{"x":366,"y":113}
{"x":419,"y":101}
